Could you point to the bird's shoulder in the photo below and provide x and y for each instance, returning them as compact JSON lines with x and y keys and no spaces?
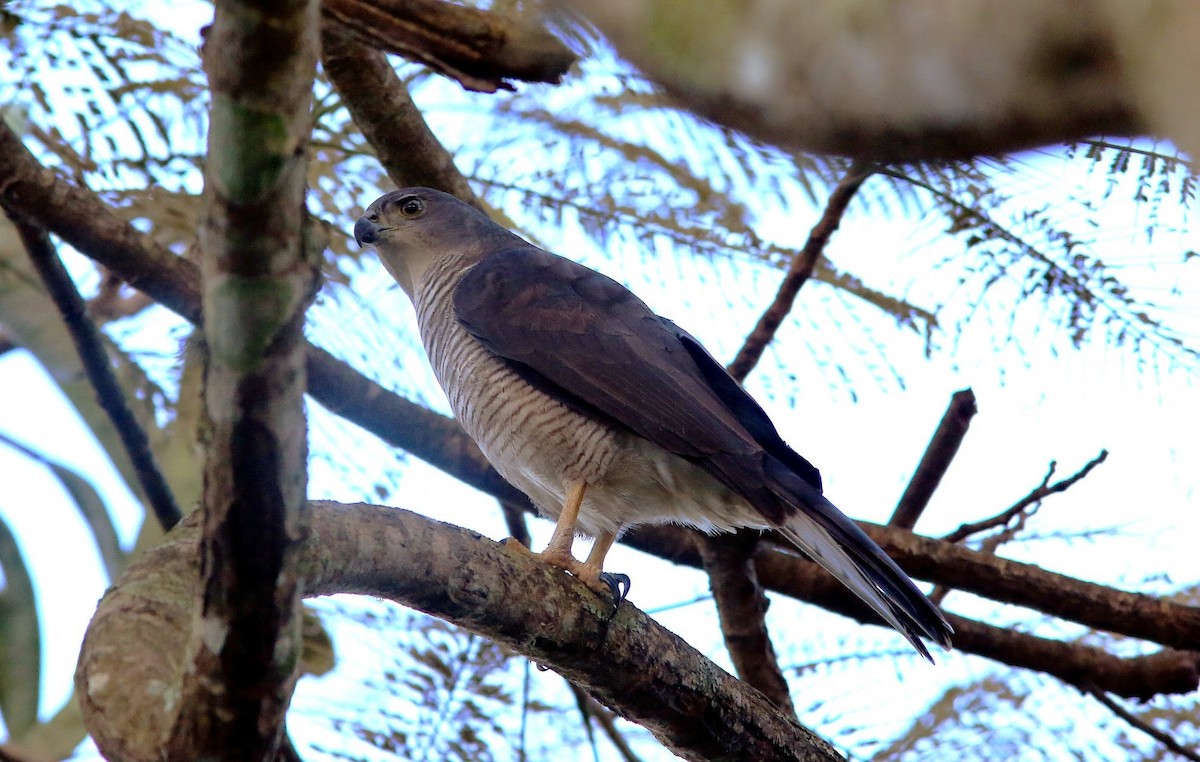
{"x":535,"y":288}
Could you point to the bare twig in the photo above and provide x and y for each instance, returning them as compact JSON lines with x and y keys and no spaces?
{"x":1039,"y":493}
{"x":1163,"y":738}
{"x":738,"y":595}
{"x":742,"y":608}
{"x":380,"y":105}
{"x":936,"y":460}
{"x":98,"y":366}
{"x":800,"y":269}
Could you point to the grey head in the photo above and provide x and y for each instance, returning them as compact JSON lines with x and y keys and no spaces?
{"x":413,"y":228}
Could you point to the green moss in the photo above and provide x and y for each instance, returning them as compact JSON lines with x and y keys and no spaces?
{"x":249,"y":149}
{"x":242,"y":316}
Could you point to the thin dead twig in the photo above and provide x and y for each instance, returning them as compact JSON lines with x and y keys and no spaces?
{"x":1039,"y":493}
{"x":727,"y":560}
{"x":1163,"y":738}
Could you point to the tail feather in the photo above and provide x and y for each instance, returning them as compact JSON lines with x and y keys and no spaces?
{"x":835,"y":542}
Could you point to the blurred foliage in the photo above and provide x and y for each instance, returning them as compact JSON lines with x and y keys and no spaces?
{"x":602,"y":164}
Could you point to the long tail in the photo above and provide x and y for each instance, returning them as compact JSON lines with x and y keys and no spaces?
{"x":820,"y":530}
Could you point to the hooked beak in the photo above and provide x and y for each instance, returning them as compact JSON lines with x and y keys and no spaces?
{"x":366,"y":232}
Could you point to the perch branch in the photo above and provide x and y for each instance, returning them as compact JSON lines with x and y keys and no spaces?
{"x":630,"y":664}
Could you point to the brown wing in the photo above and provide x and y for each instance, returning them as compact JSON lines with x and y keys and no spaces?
{"x":586,"y":339}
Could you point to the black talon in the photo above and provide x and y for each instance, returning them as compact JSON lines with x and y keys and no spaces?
{"x":618,"y":585}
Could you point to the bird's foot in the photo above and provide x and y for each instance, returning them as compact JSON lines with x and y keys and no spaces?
{"x":600,"y":582}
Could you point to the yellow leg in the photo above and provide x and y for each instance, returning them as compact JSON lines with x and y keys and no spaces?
{"x":564,"y":529}
{"x":558,"y":551}
{"x":595,"y":559}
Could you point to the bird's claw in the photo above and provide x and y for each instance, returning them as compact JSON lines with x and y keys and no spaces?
{"x":618,"y":585}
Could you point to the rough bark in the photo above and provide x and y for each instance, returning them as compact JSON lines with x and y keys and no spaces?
{"x":630,"y":664}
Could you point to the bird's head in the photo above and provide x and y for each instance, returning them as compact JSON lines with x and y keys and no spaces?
{"x":413,"y":228}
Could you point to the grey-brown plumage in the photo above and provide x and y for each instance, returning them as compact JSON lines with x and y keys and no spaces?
{"x":604,"y":413}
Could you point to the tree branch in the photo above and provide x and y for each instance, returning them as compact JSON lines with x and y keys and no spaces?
{"x":478,"y":48}
{"x":741,"y":604}
{"x":1168,"y":671}
{"x":799,"y":271}
{"x":941,"y":451}
{"x":1035,"y":496}
{"x":99,"y":370}
{"x":81,"y":219}
{"x":631,"y":664}
{"x":380,"y":105}
{"x":258,"y":278}
{"x":742,"y":607}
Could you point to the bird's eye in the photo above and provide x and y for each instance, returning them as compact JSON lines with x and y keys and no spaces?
{"x":412,"y":206}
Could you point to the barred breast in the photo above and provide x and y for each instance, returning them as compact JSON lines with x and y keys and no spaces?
{"x":534,"y":441}
{"x":541,"y":446}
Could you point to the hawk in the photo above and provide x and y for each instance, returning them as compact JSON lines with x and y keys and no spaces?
{"x":605,"y":414}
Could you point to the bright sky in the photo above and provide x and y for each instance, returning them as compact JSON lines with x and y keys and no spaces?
{"x":1039,"y":401}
